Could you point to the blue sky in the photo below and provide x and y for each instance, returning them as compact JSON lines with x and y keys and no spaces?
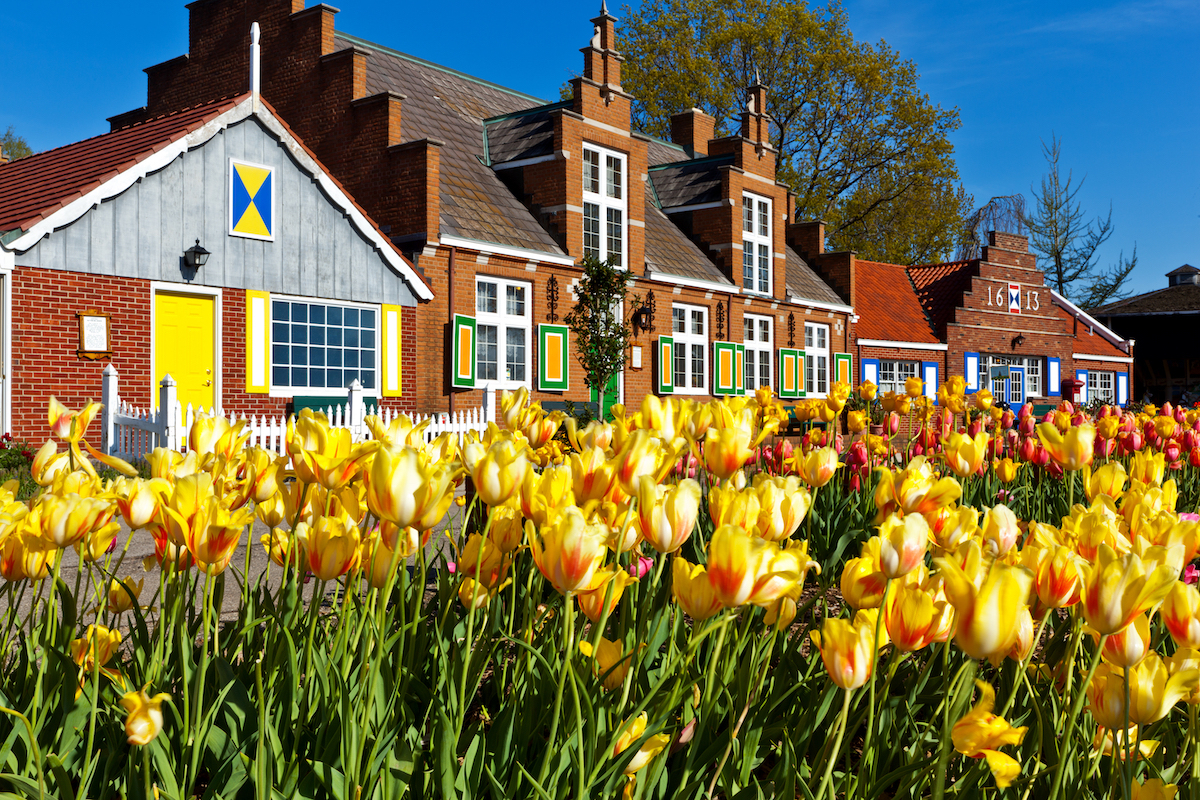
{"x":1118,"y":83}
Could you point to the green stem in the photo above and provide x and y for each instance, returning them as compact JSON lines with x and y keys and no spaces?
{"x":939,"y":780}
{"x":870,"y":735}
{"x":37,"y":753}
{"x":837,"y":745}
{"x":195,"y":738}
{"x":1025,"y":664}
{"x":1069,"y":731}
{"x":568,"y":638}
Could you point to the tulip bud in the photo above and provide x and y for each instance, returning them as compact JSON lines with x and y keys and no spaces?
{"x":144,"y":718}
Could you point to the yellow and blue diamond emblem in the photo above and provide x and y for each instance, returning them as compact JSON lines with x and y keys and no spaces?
{"x":251,"y":200}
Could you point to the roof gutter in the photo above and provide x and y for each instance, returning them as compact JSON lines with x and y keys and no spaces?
{"x":902,"y":345}
{"x":841,"y":309}
{"x":1091,"y":321}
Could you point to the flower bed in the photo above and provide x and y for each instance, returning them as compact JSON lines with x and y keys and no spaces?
{"x":673,"y":604}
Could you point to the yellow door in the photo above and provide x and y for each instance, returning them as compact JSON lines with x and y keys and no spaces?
{"x":184,"y":347}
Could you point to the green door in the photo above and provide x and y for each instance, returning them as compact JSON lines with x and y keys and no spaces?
{"x":612,"y":396}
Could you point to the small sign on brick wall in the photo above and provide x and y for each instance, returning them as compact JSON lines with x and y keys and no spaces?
{"x":95,"y":334}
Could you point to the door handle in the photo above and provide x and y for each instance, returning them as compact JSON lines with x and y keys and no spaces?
{"x":208,"y":372}
{"x":208,"y":383}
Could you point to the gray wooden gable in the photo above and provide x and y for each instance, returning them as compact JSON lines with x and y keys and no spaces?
{"x":142,"y":232}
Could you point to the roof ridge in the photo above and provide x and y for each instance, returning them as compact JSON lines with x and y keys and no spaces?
{"x":434,"y":65}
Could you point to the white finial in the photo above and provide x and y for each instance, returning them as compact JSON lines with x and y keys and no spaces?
{"x":254,"y":62}
{"x":604,"y":8}
{"x":596,"y":38}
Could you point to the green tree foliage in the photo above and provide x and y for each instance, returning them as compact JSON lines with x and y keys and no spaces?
{"x":1066,"y":243}
{"x":864,"y":149}
{"x":14,"y":146}
{"x":600,"y":332}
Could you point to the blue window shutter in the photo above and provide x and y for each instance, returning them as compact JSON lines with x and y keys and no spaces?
{"x":1122,"y":388}
{"x":1053,"y":377}
{"x":971,"y":371}
{"x":870,"y":370}
{"x":1081,"y":376}
{"x":929,"y":374}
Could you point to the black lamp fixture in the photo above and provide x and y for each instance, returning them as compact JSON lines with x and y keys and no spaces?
{"x":1018,"y":340}
{"x":195,"y":256}
{"x":643,"y":318}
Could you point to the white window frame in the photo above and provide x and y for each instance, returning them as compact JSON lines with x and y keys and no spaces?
{"x":816,"y":360}
{"x":759,"y":341}
{"x":317,"y":391}
{"x":503,"y":321}
{"x":893,"y":372}
{"x":1033,"y":373}
{"x":1096,"y":388}
{"x":603,"y":199}
{"x":686,"y":342}
{"x":757,"y":251}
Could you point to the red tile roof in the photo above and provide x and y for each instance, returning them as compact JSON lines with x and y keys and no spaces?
{"x":940,"y":288}
{"x":34,"y":187}
{"x":887,"y":305}
{"x":1087,"y":342}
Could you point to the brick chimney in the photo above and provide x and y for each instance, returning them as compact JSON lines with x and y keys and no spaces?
{"x":756,"y":124}
{"x":692,"y":130}
{"x":601,"y":61}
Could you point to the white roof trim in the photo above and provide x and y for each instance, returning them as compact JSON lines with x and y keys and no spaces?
{"x":697,"y":283}
{"x":823,"y":306}
{"x":1089,"y":319}
{"x":901,"y":345}
{"x":491,"y":248}
{"x":156,"y":161}
{"x":525,"y":162}
{"x":1114,"y":359}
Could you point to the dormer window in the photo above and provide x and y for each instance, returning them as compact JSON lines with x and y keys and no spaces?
{"x":756,"y":244}
{"x":604,"y":205}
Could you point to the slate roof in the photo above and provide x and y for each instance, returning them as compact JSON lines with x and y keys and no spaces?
{"x":1186,"y":269}
{"x":805,"y":284}
{"x":449,"y":106}
{"x":1181,"y":299}
{"x":940,"y":289}
{"x":887,"y":305}
{"x":523,"y":135}
{"x":34,"y":187}
{"x":686,"y":183}
{"x":669,"y":251}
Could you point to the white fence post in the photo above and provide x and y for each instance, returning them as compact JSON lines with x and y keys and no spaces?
{"x":489,"y":405}
{"x":356,"y":410}
{"x":168,"y":414}
{"x":111,"y":398}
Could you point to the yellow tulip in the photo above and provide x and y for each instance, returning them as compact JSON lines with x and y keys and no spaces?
{"x":980,"y":732}
{"x":983,"y":399}
{"x":70,"y":426}
{"x":405,"y":488}
{"x":867,"y":391}
{"x":1107,"y":480}
{"x":482,"y":560}
{"x":1118,"y":588}
{"x":741,"y":566}
{"x":1074,"y":450}
{"x":218,"y":436}
{"x":49,"y":463}
{"x":568,"y":551}
{"x":952,"y":525}
{"x":610,"y":665}
{"x":632,"y":731}
{"x":1148,"y":467}
{"x":862,"y":579}
{"x":323,"y":454}
{"x":1153,"y":789}
{"x":1006,"y":470}
{"x":817,"y":466}
{"x":915,"y":616}
{"x":726,"y":450}
{"x":214,"y":533}
{"x":544,"y":493}
{"x":611,"y":579}
{"x":846,"y":650}
{"x":123,"y":595}
{"x":1105,"y":744}
{"x":641,"y":454}
{"x":728,"y":505}
{"x":278,"y":544}
{"x":24,"y":556}
{"x":692,"y":590}
{"x":331,"y":544}
{"x":400,"y":432}
{"x":1153,"y":690}
{"x":540,"y":428}
{"x":1185,"y":660}
{"x":1127,"y":647}
{"x":1000,"y":529}
{"x":666,"y":517}
{"x":914,"y":386}
{"x":594,"y":477}
{"x":914,"y":490}
{"x":1057,"y":577}
{"x":987,"y":617}
{"x":67,"y":519}
{"x":505,"y":527}
{"x":856,"y":421}
{"x":96,"y":646}
{"x":954,"y":403}
{"x":597,"y":434}
{"x":144,"y":717}
{"x":902,"y":544}
{"x":783,"y":504}
{"x":376,"y":561}
{"x":1181,"y":614}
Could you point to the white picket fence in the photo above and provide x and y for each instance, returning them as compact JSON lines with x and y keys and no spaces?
{"x":131,"y":431}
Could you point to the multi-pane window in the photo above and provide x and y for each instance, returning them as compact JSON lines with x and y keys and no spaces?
{"x":689,"y":327}
{"x":1033,"y":375}
{"x":757,"y":337}
{"x":604,"y":204}
{"x":892,"y":375}
{"x":816,"y":359}
{"x":317,"y":346}
{"x":1100,"y":386}
{"x":502,"y":326}
{"x":756,"y":244}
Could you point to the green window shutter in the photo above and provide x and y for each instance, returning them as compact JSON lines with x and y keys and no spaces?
{"x":843,"y":368}
{"x":790,"y":380}
{"x":552,"y":358}
{"x":664,"y":363}
{"x":741,"y":369}
{"x":725,"y":381}
{"x":462,"y":352}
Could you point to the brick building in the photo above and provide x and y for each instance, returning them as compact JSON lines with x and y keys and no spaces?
{"x":496,"y":196}
{"x":300,"y":293}
{"x":971,"y":317}
{"x":1164,"y":323}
